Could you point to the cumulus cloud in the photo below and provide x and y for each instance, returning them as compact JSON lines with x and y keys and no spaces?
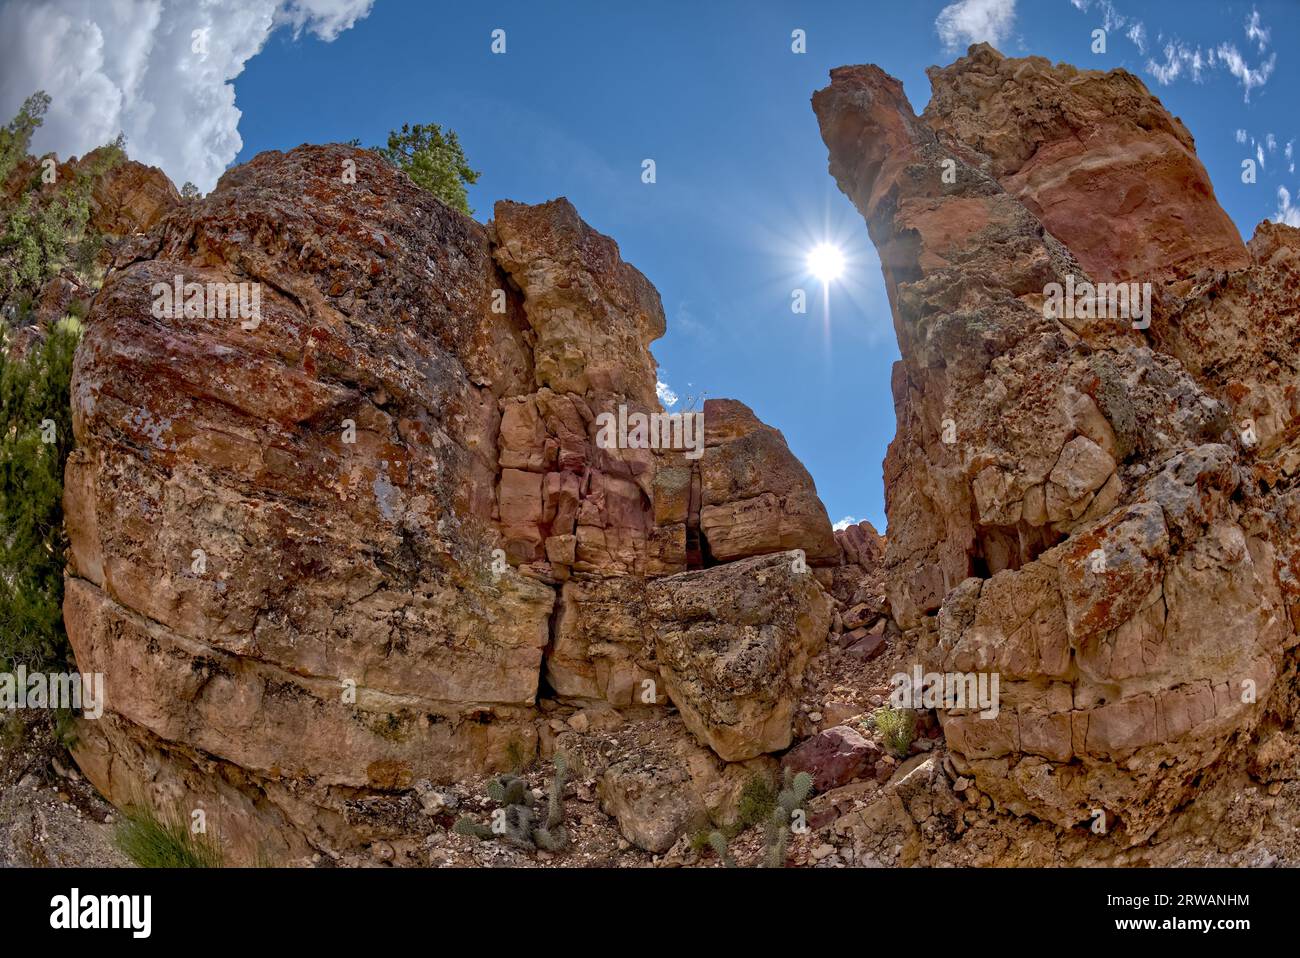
{"x":324,"y":18}
{"x":975,"y":21}
{"x":1286,"y":213}
{"x":665,"y":393}
{"x":845,"y":523}
{"x":159,"y":71}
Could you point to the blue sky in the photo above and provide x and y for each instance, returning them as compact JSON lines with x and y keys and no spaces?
{"x":714,"y":95}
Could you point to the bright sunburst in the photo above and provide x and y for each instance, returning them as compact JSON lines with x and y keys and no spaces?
{"x":826,"y":262}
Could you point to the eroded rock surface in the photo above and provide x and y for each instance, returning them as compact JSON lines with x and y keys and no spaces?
{"x":332,"y":550}
{"x":1094,"y":156}
{"x":732,"y":643}
{"x":1073,"y":503}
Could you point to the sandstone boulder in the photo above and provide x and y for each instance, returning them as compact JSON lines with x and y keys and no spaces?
{"x":757,"y":497}
{"x":732,"y":642}
{"x":833,"y":757}
{"x":672,"y":785}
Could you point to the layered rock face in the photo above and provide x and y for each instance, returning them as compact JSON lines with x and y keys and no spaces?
{"x":1053,"y":136}
{"x":340,"y":543}
{"x":128,"y":198}
{"x":1074,"y":504}
{"x":281,"y":525}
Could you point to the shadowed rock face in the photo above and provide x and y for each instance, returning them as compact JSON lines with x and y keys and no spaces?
{"x":1074,"y":504}
{"x":327,"y":551}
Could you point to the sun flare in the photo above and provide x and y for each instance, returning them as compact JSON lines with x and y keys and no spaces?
{"x":826,"y":262}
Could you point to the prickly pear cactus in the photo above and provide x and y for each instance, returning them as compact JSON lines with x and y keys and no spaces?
{"x":788,"y":810}
{"x":518,"y":821}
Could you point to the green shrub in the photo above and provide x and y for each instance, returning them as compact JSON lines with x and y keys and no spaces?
{"x":897,"y":728}
{"x":701,"y":839}
{"x":757,"y":799}
{"x":153,"y":841}
{"x":35,"y":439}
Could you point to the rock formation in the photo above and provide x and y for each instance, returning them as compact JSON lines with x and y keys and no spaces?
{"x":1084,"y":507}
{"x":339,"y":547}
{"x":413,"y":512}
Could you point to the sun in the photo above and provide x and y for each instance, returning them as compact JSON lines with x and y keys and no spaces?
{"x":826,"y":262}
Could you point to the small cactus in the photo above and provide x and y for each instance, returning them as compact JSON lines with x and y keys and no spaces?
{"x":516,"y":821}
{"x":719,"y":843}
{"x":789,"y":803}
{"x":472,"y":829}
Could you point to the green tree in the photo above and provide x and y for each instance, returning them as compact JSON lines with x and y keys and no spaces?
{"x":16,"y":138}
{"x":42,"y":231}
{"x":35,"y":439}
{"x":433,"y":160}
{"x":45,"y":229}
{"x":38,"y":239}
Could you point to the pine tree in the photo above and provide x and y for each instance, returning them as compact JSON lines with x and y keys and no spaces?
{"x":433,"y":161}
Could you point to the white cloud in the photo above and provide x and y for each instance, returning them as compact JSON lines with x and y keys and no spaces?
{"x":1137,"y":35}
{"x":975,"y":21}
{"x":325,"y":18}
{"x":845,"y":523}
{"x":1241,"y":136}
{"x":1250,"y":79}
{"x":1259,"y":155}
{"x":131,"y":66}
{"x":1255,"y":32}
{"x":1112,"y":19}
{"x":1271,"y":142}
{"x":1178,"y":57}
{"x":1286,"y":213}
{"x":665,"y":393}
{"x":1181,"y":59}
